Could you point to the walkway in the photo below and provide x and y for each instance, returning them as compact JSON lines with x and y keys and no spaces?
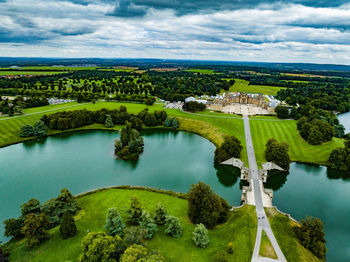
{"x":263,"y":223}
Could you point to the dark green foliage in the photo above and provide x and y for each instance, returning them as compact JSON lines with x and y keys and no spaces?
{"x":97,"y":246}
{"x":30,"y":207}
{"x":311,"y":235}
{"x":205,"y":207}
{"x":193,"y":106}
{"x":67,"y":227}
{"x":34,"y":229}
{"x":200,"y":236}
{"x":168,"y":122}
{"x":300,"y":122}
{"x":136,"y":123}
{"x":133,"y":235}
{"x":26,"y":131}
{"x":130,"y":144}
{"x":231,"y":147}
{"x":339,"y":158}
{"x":150,"y":120}
{"x":282,"y":111}
{"x":55,"y":208}
{"x":13,"y":227}
{"x":135,"y":211}
{"x":114,"y":223}
{"x":160,"y":214}
{"x":147,"y":225}
{"x":277,"y":152}
{"x":40,"y":129}
{"x":339,"y":131}
{"x":109,"y":122}
{"x":175,"y":123}
{"x":150,"y":101}
{"x":173,"y":227}
{"x":315,"y":136}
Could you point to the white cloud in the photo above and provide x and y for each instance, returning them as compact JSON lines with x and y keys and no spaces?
{"x":276,"y":33}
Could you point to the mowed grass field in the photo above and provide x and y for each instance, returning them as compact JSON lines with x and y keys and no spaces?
{"x":240,"y":229}
{"x":243,"y":86}
{"x":286,"y":131}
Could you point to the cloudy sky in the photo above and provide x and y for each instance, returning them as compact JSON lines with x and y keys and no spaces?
{"x":235,"y":30}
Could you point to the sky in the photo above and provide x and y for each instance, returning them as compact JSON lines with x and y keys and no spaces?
{"x":232,"y":30}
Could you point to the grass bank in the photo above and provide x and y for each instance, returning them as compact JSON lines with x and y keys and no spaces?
{"x":240,"y":229}
{"x":282,"y":228}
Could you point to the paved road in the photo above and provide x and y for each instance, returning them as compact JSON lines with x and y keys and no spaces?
{"x":56,"y":109}
{"x":263,"y":223}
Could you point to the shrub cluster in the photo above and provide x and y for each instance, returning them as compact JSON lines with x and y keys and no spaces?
{"x":39,"y":129}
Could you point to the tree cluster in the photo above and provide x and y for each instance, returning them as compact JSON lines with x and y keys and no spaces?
{"x":339,"y":158}
{"x":205,"y":207}
{"x":73,"y":119}
{"x":282,"y":112}
{"x":193,"y":106}
{"x":130,"y":145}
{"x":171,"y":122}
{"x":311,"y":235}
{"x":316,"y":131}
{"x":42,"y":217}
{"x":231,"y":147}
{"x":277,"y":152}
{"x":39,"y":129}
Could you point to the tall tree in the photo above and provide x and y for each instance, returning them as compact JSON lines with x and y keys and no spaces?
{"x":114,"y":223}
{"x":68,"y":228}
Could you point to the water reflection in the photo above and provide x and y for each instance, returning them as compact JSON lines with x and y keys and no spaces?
{"x":276,"y":179}
{"x":335,"y":174}
{"x":227,"y":175}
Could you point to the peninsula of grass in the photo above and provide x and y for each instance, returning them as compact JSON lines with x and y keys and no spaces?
{"x":240,"y":229}
{"x":266,"y":248}
{"x":241,"y":85}
{"x":282,"y":228}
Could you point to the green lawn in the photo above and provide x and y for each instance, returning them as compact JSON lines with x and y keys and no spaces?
{"x":282,"y":228}
{"x":266,"y":248}
{"x":286,"y":131}
{"x":243,"y":86}
{"x":240,"y":229}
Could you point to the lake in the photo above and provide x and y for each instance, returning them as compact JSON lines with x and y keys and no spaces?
{"x":83,"y":161}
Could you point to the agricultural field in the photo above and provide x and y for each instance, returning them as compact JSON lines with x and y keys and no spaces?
{"x":52,"y":68}
{"x":286,"y":131}
{"x":18,"y":73}
{"x":243,"y":86}
{"x":201,"y":71}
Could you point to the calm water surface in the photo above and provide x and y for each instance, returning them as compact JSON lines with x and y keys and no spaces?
{"x":345,"y":120}
{"x":84,"y":161}
{"x":314,"y":191}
